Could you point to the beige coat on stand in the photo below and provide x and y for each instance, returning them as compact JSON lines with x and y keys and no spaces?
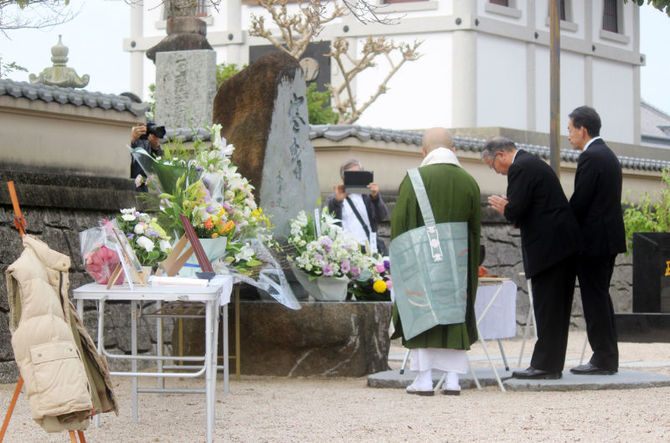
{"x":65,"y":379}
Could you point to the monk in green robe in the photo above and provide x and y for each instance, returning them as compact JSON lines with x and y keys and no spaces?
{"x":454,"y":197}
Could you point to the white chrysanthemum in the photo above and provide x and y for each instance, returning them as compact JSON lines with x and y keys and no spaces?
{"x":139,"y":228}
{"x":165,"y":245}
{"x":146,"y":243}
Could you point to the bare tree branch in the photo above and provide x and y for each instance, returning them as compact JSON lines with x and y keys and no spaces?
{"x":294,"y":32}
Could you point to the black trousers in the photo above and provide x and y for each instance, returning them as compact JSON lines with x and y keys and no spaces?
{"x":594,"y":275}
{"x":553,"y":290}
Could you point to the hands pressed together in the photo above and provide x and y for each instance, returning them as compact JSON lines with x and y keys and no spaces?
{"x":498,"y":202}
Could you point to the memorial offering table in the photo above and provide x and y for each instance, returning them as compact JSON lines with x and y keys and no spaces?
{"x":215,"y":294}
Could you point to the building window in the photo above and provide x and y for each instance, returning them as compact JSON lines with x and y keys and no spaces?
{"x":561,"y":9}
{"x":611,"y":16}
{"x":500,"y":2}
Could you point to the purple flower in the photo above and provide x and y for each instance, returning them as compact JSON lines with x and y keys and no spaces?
{"x":328,"y":270}
{"x":226,"y":206}
{"x":345,"y":266}
{"x":355,"y":272}
{"x":387,"y":264}
{"x":326,"y":242}
{"x":151,"y":233}
{"x":130,"y":235}
{"x":210,"y":209}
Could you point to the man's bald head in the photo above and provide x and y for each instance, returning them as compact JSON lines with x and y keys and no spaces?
{"x":435,"y":138}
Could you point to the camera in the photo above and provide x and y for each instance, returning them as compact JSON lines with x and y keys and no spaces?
{"x":152,"y":128}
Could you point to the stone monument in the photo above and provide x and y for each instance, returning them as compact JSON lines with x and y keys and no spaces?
{"x":59,"y":74}
{"x":185,"y":69}
{"x":263,"y":111}
{"x":185,"y":88}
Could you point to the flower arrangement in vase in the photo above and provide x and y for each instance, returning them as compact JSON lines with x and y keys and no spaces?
{"x":215,"y":197}
{"x":374,"y":282}
{"x":323,"y":251}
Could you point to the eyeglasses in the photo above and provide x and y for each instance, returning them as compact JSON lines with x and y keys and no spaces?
{"x":493,"y":162}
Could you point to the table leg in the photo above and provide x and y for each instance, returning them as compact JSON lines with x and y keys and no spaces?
{"x":159,"y":345}
{"x":226,"y":357}
{"x":208,"y":368}
{"x":133,"y":351}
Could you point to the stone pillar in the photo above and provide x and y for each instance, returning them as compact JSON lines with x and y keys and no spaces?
{"x":185,"y":88}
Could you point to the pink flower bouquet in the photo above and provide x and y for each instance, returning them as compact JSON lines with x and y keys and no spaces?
{"x":100,"y":264}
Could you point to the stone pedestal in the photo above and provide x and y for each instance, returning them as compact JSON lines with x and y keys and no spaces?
{"x":185,"y":88}
{"x":323,"y":338}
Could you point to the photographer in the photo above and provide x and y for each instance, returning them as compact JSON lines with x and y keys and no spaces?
{"x":360,"y":214}
{"x":148,"y":138}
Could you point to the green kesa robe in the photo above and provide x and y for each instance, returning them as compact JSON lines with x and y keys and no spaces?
{"x":454,"y":197}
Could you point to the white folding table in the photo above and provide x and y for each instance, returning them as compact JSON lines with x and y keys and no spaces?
{"x":212,"y":296}
{"x":495,"y":310}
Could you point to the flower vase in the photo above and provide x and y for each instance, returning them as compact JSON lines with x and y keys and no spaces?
{"x":332,"y":288}
{"x":214,"y":248}
{"x":322,"y":288}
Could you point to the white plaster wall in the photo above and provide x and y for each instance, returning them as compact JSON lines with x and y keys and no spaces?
{"x":572,"y":87}
{"x":520,"y":5}
{"x":613,"y":99}
{"x":419,"y":94}
{"x":501,"y":82}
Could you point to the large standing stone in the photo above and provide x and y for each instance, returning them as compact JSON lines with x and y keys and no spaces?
{"x":185,"y":88}
{"x":263,"y":111}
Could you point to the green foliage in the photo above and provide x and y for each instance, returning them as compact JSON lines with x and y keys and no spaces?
{"x":661,"y":5}
{"x":648,"y":215}
{"x":320,"y":113}
{"x":225,"y":71}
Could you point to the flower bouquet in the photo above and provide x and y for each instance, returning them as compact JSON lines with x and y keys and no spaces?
{"x":323,"y":251}
{"x":218,"y":201}
{"x":99,"y":260}
{"x":374,"y":282}
{"x":148,"y":239}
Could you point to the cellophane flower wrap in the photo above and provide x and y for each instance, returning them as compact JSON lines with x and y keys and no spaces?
{"x":219,"y":203}
{"x":98,"y":256}
{"x":330,"y":253}
{"x":374,"y":282}
{"x":148,"y":239}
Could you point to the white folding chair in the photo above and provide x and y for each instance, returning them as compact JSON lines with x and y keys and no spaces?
{"x":530,"y":319}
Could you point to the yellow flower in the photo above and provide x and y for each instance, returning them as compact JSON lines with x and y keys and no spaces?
{"x":215,"y":235}
{"x":379,"y":286}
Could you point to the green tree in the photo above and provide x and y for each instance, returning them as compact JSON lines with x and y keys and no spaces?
{"x":320,"y":112}
{"x":661,"y":5}
{"x":224,"y":71}
{"x":648,"y":215}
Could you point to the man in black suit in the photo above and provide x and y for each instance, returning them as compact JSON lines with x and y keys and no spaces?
{"x":535,"y":202}
{"x":596,"y":202}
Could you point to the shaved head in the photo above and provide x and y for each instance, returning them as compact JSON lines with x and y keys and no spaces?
{"x":435,"y":138}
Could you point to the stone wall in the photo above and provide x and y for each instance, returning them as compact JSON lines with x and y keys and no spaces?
{"x":57,"y":208}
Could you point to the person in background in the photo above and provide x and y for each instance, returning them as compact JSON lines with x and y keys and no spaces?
{"x":550,"y":241}
{"x":454,"y":197}
{"x":596,"y":203}
{"x":360,"y":213}
{"x":146,"y":136}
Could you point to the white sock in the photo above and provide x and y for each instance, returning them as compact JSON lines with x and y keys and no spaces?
{"x":424,"y":380}
{"x":452,"y":381}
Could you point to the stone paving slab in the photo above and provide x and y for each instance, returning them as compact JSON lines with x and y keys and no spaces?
{"x":624,"y":379}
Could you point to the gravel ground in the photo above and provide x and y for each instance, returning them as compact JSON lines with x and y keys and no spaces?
{"x":344,"y":409}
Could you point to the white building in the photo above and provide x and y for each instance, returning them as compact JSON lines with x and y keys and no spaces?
{"x":484,"y":63}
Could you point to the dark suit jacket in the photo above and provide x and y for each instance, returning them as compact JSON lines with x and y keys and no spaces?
{"x":596,"y":201}
{"x":538,"y":206}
